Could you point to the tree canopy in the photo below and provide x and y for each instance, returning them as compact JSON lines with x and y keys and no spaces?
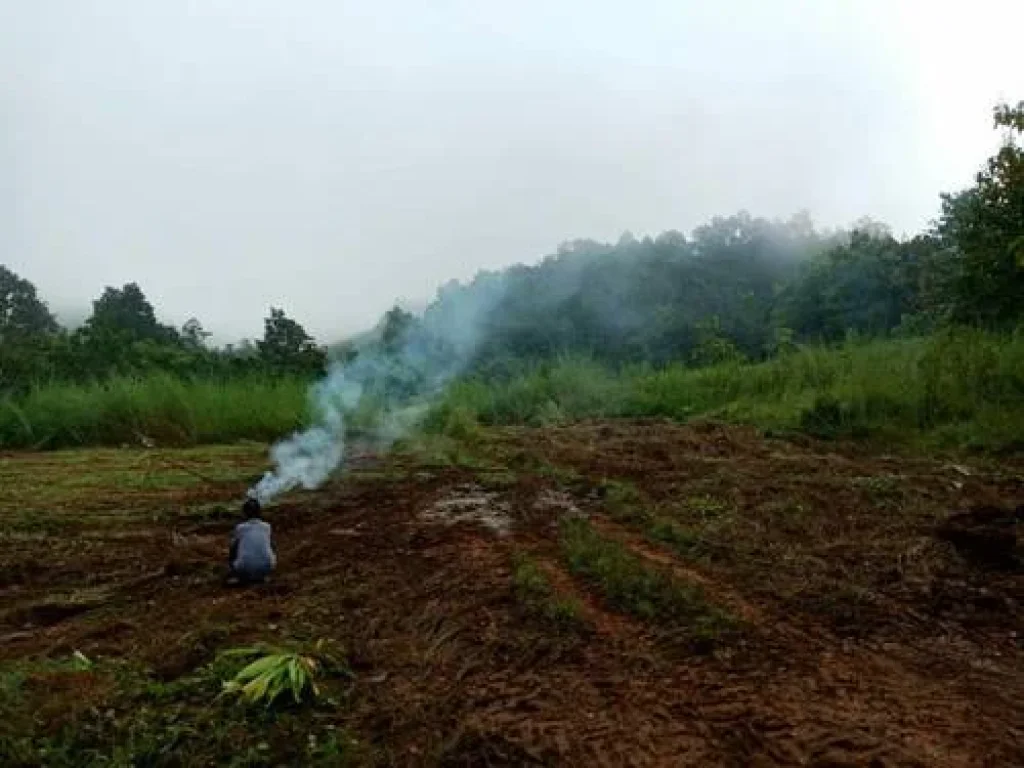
{"x":983,"y":228}
{"x":286,"y":345}
{"x":22,"y":314}
{"x":124,"y":336}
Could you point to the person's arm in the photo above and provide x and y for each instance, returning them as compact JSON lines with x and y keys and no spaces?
{"x":233,"y":549}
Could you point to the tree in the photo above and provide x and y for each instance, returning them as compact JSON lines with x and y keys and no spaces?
{"x":712,"y":345}
{"x":984,"y":229}
{"x":286,"y":347}
{"x":397,"y":323}
{"x":122,"y":336}
{"x":869,"y":285}
{"x":22,"y":314}
{"x":125,"y":312}
{"x":193,"y":334}
{"x":671,"y":238}
{"x":27,"y":333}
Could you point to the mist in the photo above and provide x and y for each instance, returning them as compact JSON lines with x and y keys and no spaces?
{"x":331,"y":159}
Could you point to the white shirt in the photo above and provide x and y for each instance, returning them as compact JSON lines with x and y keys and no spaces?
{"x":254,"y":557}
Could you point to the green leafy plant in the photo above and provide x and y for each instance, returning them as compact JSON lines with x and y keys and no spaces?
{"x":275,"y":673}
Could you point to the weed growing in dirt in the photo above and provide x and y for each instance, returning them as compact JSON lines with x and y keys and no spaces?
{"x":270,"y":676}
{"x":458,"y":422}
{"x":624,"y":502}
{"x":684,"y":541}
{"x":621,"y":493}
{"x":335,"y":748}
{"x":707,"y":507}
{"x":497,"y":480}
{"x":13,"y":675}
{"x":11,"y":680}
{"x":28,"y":522}
{"x":561,"y":475}
{"x":884,"y":490}
{"x":276,"y":673}
{"x":534,"y":591}
{"x":44,"y":700}
{"x":442,"y":451}
{"x":634,"y":586}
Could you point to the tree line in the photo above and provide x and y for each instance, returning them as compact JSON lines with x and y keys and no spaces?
{"x":122,"y":336}
{"x":738,"y":287}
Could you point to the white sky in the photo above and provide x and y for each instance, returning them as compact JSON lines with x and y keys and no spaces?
{"x":331,"y":157}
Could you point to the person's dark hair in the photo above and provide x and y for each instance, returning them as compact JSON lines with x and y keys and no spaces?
{"x":251,"y":508}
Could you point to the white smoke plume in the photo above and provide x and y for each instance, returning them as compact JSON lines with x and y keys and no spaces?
{"x":437,"y":349}
{"x":307,"y":458}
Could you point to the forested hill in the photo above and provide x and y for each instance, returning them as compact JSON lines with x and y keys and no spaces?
{"x":737,"y":287}
{"x":741,"y":286}
{"x":650,"y":299}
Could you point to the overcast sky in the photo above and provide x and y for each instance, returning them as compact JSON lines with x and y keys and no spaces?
{"x":331,"y":157}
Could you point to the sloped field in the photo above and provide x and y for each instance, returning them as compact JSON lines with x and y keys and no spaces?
{"x":611,"y":594}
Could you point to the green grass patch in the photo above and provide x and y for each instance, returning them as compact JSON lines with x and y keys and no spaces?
{"x":441,"y":451}
{"x":99,"y":488}
{"x":162,"y":408}
{"x":684,"y":541}
{"x":497,"y":479}
{"x":961,"y":388}
{"x":958,"y":388}
{"x":564,"y":476}
{"x":634,"y":586}
{"x":624,"y":502}
{"x":534,"y":592}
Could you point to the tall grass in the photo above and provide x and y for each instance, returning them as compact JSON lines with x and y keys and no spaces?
{"x":165,"y":409}
{"x":960,"y":388}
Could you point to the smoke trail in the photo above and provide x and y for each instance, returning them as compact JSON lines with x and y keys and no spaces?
{"x":414,"y":367}
{"x":308,"y":458}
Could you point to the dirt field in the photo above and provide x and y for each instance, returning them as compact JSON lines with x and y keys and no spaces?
{"x":607,"y":594}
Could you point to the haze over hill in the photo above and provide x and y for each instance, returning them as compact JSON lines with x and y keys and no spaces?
{"x":328,"y":159}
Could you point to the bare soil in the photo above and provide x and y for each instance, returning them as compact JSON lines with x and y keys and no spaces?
{"x":867,"y":633}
